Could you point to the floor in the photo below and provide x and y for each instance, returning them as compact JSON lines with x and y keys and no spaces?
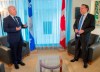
{"x":31,"y":62}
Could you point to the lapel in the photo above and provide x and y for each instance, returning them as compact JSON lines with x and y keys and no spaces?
{"x":12,"y":20}
{"x":85,"y":21}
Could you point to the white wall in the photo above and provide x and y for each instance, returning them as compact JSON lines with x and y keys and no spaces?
{"x":77,"y":3}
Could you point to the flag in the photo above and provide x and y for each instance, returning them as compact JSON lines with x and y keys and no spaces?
{"x":62,"y":26}
{"x":31,"y":38}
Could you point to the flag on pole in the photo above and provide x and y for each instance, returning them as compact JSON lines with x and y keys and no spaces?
{"x":62,"y":26}
{"x":31,"y":38}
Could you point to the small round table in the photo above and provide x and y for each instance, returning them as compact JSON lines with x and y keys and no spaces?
{"x":51,"y":68}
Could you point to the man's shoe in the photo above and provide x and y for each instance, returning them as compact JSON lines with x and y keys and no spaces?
{"x":16,"y":66}
{"x":85,"y":65}
{"x":73,"y":60}
{"x":21,"y":63}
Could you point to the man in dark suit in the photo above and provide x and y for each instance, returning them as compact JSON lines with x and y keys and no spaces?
{"x":12,"y":25}
{"x":82,"y":28}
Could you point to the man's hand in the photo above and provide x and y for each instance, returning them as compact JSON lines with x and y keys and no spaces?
{"x":76,"y":31}
{"x":81,"y":31}
{"x":25,"y":26}
{"x":18,"y":28}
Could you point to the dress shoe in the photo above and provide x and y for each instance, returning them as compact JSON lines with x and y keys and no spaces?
{"x":16,"y":66}
{"x":73,"y":60}
{"x":21,"y":63}
{"x":85,"y":65}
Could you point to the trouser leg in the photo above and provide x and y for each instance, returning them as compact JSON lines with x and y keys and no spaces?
{"x":19,"y":51}
{"x":77,"y":48}
{"x":13,"y":47}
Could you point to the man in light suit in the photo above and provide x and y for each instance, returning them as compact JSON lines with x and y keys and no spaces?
{"x":82,"y":28}
{"x":12,"y":25}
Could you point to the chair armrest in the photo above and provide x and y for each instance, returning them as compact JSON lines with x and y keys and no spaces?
{"x":5,"y":54}
{"x":25,"y":43}
{"x":26,"y":49}
{"x":2,"y":68}
{"x":71,"y":43}
{"x":94,"y":51}
{"x":4,"y":48}
{"x":95,"y":45}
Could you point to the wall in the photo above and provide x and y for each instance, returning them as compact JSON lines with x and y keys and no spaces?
{"x":77,"y":3}
{"x":97,"y":28}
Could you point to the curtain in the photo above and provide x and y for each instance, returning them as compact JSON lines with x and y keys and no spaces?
{"x":46,"y":22}
{"x":22,"y":12}
{"x":68,"y":20}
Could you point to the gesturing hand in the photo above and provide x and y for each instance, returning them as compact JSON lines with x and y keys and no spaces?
{"x":25,"y":25}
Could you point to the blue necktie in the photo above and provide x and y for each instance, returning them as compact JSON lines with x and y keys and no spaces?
{"x":80,"y":22}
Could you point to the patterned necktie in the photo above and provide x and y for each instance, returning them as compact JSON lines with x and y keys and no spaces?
{"x":15,"y":19}
{"x":80,"y":22}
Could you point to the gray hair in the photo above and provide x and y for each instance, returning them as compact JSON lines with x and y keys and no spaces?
{"x":10,"y":7}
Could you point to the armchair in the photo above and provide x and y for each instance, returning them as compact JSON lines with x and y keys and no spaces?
{"x":5,"y":55}
{"x":94,"y":47}
{"x":2,"y":68}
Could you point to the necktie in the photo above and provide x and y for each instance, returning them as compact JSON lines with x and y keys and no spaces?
{"x":80,"y":22}
{"x":16,"y":19}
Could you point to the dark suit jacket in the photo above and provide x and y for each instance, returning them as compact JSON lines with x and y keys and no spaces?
{"x":9,"y":26}
{"x":88,"y":25}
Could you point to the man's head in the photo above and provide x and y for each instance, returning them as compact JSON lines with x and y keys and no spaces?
{"x":84,"y":8}
{"x":12,"y":10}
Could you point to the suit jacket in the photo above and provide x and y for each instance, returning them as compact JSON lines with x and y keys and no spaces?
{"x":88,"y":25}
{"x":9,"y":26}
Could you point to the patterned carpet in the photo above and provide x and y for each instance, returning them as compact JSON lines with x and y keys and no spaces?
{"x":32,"y":61}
